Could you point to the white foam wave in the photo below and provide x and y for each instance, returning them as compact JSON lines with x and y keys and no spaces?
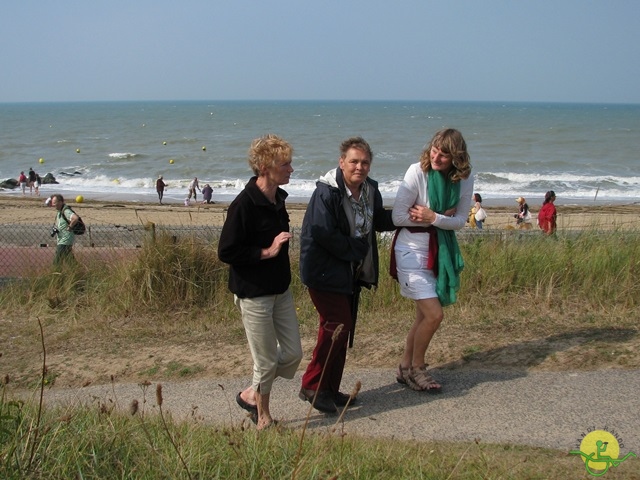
{"x":559,"y":177}
{"x":498,"y":185}
{"x":121,"y":156}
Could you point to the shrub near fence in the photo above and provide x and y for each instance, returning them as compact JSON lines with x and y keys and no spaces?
{"x":29,"y":249}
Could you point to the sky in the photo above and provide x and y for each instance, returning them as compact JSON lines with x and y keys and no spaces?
{"x":455,"y":50}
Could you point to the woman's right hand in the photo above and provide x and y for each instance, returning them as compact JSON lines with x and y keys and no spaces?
{"x":274,"y":249}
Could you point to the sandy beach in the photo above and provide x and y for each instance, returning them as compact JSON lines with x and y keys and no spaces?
{"x":32,"y":210}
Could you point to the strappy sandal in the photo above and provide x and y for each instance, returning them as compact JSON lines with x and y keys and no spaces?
{"x":423,"y":381}
{"x":402,"y":374}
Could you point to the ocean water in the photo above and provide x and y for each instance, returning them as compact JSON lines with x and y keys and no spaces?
{"x":114,"y":150}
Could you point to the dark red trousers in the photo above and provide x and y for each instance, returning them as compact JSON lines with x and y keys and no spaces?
{"x":334,"y":309}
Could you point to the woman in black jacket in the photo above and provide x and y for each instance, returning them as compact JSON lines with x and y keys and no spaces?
{"x":255,"y":243}
{"x":338,"y":256}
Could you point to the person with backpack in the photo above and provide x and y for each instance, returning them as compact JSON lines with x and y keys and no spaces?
{"x":68,"y":225}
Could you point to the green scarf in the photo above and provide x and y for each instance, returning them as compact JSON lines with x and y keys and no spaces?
{"x":443,"y":195}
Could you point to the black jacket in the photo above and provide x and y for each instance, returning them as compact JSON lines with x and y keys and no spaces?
{"x":328,"y":252}
{"x":251,"y":225}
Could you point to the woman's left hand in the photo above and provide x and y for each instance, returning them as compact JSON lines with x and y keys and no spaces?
{"x":422,"y":214}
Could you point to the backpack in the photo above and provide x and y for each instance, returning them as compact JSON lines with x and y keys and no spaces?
{"x":79,"y":228}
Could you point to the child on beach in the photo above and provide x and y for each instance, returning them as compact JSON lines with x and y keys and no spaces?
{"x":523,"y":217}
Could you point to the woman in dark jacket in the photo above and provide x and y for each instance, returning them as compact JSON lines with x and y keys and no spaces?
{"x":255,"y":243}
{"x":338,"y":256}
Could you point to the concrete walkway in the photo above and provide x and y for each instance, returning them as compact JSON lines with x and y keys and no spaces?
{"x":547,"y":409}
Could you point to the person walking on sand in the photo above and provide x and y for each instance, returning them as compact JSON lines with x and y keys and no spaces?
{"x":255,"y":243}
{"x":22,"y":182}
{"x":31,"y":178}
{"x":65,"y":221}
{"x":338,"y":256}
{"x":38,"y":184}
{"x":160,"y":186}
{"x":430,"y":204}
{"x":479,"y":214}
{"x":193,"y":186}
{"x":207,"y":193}
{"x":547,"y":215}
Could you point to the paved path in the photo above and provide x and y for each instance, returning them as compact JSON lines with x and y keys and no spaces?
{"x":548,"y":409}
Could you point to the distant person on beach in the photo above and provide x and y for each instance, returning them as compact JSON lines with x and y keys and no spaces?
{"x":207,"y":193}
{"x":160,"y":186}
{"x":471,"y":218}
{"x":38,"y":184}
{"x":430,"y":204}
{"x":255,"y":243}
{"x":479,"y":215}
{"x":32,"y":181}
{"x":65,"y":221}
{"x":523,"y":217}
{"x":547,"y":215}
{"x":193,"y":186}
{"x":22,"y":181}
{"x":338,"y":256}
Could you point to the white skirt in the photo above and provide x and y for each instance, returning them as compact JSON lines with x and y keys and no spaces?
{"x":416,"y":282}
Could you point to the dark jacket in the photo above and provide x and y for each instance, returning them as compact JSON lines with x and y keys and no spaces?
{"x":251,"y":225}
{"x":329,"y":253}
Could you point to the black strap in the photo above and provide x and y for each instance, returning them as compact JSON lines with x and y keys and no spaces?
{"x":64,"y":216}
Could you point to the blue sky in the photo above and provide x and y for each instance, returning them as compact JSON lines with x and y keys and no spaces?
{"x":484,"y":50}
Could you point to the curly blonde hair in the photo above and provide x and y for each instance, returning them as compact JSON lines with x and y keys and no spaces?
{"x":450,"y":142}
{"x":266,"y":150}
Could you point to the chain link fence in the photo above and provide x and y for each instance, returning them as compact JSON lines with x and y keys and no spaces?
{"x":29,"y":249}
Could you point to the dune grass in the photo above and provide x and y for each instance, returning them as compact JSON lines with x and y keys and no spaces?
{"x":103,"y":443}
{"x":516,"y":289}
{"x":598,"y":270}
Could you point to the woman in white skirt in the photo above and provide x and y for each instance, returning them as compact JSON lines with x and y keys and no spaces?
{"x":431,"y":203}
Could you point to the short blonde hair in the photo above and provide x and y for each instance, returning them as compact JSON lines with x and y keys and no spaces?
{"x":451,"y":142}
{"x":266,"y":150}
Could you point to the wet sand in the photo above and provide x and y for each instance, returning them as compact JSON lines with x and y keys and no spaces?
{"x":32,"y":210}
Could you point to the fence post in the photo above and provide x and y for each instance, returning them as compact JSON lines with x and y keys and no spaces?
{"x":152,"y":227}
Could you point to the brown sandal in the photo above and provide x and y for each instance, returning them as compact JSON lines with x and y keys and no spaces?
{"x":420,"y":378}
{"x":402,"y":374}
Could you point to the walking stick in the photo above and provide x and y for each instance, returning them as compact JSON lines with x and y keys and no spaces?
{"x":355,"y":300}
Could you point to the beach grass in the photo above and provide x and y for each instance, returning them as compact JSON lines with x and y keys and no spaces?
{"x":515,"y":288}
{"x":102,"y":441}
{"x":525,"y":302}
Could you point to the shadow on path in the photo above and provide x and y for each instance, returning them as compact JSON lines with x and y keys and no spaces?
{"x":500,"y":364}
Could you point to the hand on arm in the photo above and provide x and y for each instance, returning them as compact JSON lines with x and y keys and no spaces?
{"x":422,"y":214}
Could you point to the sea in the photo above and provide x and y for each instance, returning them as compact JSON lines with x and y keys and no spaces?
{"x":109,"y":151}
